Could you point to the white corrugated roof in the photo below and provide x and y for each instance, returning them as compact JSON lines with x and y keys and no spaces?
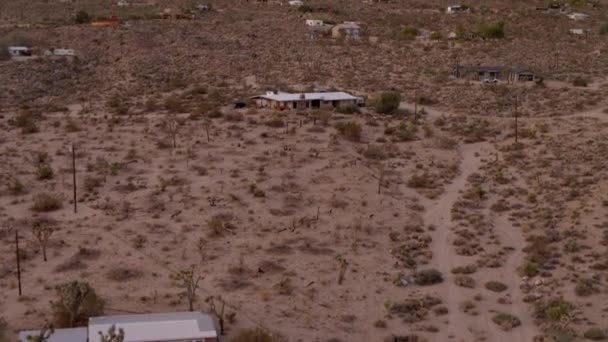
{"x":155,"y":327}
{"x":60,"y":335}
{"x":328,"y":96}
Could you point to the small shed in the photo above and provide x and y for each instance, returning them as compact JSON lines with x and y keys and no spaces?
{"x":60,"y":52}
{"x":479,"y":72}
{"x":314,"y":22}
{"x":578,"y":16}
{"x":176,"y":326}
{"x":296,"y":3}
{"x":452,"y":9}
{"x":19,"y":51}
{"x":348,"y":29}
{"x":519,"y":74}
{"x":578,"y":32}
{"x":59,"y":335}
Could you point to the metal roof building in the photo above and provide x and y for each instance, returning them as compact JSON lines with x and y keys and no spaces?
{"x":280,"y":100}
{"x":176,"y":326}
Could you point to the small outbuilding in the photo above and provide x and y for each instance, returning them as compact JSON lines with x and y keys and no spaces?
{"x":485,"y":73}
{"x":19,"y":51}
{"x":60,"y":52}
{"x":296,"y":3}
{"x":518,"y":74}
{"x":453,"y":9}
{"x":314,"y":22}
{"x":348,"y":30}
{"x":282,"y":101}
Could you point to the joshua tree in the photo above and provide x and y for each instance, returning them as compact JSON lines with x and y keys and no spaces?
{"x":77,"y":302}
{"x":187,"y":280}
{"x":42,"y":232}
{"x":343,"y":264}
{"x":171,"y":126}
{"x":218,"y":313}
{"x":43,"y":335}
{"x":112,"y":335}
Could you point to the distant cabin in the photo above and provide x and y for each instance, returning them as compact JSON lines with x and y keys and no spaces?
{"x":296,"y":3}
{"x":348,"y":30}
{"x":488,"y":73}
{"x":282,"y":101}
{"x":314,"y":22}
{"x":19,"y":51}
{"x":60,"y":52}
{"x":457,"y":9}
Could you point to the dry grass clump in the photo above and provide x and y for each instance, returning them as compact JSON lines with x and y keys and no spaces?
{"x":506,"y":321}
{"x":120,"y":274}
{"x":495,"y":286}
{"x":256,"y":335}
{"x":464,"y":281}
{"x":413,"y":310}
{"x":45,"y":202}
{"x":428,"y":277}
{"x":350,"y":130}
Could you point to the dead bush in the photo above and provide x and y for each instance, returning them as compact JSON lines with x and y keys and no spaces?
{"x":45,"y":202}
{"x":121,"y":274}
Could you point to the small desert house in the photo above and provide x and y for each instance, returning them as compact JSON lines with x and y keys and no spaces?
{"x":578,"y":16}
{"x":452,"y":9}
{"x":19,"y":51}
{"x":348,"y":30}
{"x":60,"y":52}
{"x":314,"y":22}
{"x":159,"y":327}
{"x":281,"y":101}
{"x":522,"y":75}
{"x":296,"y":3}
{"x":577,"y":32}
{"x":479,"y":72}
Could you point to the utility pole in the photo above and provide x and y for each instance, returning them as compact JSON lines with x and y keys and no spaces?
{"x":415,"y":105}
{"x":516,"y":103}
{"x":18,"y":260}
{"x":74,"y":176}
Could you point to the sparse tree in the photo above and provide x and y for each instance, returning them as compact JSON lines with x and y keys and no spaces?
{"x":342,"y":264}
{"x":171,"y":127}
{"x":76,"y":303}
{"x":42,"y":231}
{"x":43,"y":335}
{"x":188,"y":280}
{"x":113,"y":335}
{"x":218,"y":312}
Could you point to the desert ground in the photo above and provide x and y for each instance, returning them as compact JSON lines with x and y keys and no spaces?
{"x":472,"y":212}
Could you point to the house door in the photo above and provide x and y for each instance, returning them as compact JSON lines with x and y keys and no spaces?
{"x":315,"y":103}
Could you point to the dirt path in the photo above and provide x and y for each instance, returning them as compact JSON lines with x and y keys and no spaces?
{"x":438,"y":214}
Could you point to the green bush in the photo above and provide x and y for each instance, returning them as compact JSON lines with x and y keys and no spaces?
{"x":45,"y":202}
{"x":4,"y":54}
{"x":506,"y":321}
{"x":554,"y":309}
{"x":585,"y":287}
{"x":25,"y":120}
{"x":436,"y":35}
{"x":495,"y":286}
{"x":595,"y":334}
{"x":75,"y":303}
{"x":428,"y":277}
{"x":492,"y":30}
{"x":349,"y":109}
{"x":82,"y":17}
{"x":350,"y":130}
{"x":387,"y":102}
{"x":604,"y":28}
{"x":580,"y":82}
{"x":423,"y":181}
{"x":275,"y":122}
{"x":306,"y":9}
{"x":409,"y":32}
{"x":15,"y":187}
{"x":44,"y":171}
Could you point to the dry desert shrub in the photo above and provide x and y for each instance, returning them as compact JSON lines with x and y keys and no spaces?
{"x":256,"y":335}
{"x":121,"y":274}
{"x":464,"y":281}
{"x":45,"y":202}
{"x":428,"y":277}
{"x":506,"y":321}
{"x":350,"y":130}
{"x":495,"y":286}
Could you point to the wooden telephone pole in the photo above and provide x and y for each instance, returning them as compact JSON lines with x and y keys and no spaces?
{"x":74,"y":176}
{"x":516,"y":104}
{"x":18,"y":260}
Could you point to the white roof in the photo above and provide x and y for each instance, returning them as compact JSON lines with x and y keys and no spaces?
{"x":18,"y":48}
{"x":325,"y":96}
{"x":60,"y":335}
{"x":155,"y":327}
